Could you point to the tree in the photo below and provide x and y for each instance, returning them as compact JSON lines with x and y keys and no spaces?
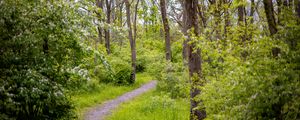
{"x":167,"y":29}
{"x":269,"y":10}
{"x":194,"y":59}
{"x":131,"y":40}
{"x":135,"y":19}
{"x":107,"y":31}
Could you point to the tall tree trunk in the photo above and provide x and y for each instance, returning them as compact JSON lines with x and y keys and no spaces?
{"x":121,"y":14}
{"x":241,"y":21}
{"x":241,"y":14}
{"x":298,"y":8}
{"x":269,"y":10}
{"x":184,"y":31}
{"x":194,"y":60}
{"x":135,"y":19}
{"x":227,"y":21}
{"x":120,"y":19}
{"x":252,"y":11}
{"x":100,"y":5}
{"x":279,"y":6}
{"x":107,"y":31}
{"x":167,"y":29}
{"x":131,"y":40}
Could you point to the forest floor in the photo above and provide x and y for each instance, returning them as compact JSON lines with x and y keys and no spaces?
{"x":101,"y":111}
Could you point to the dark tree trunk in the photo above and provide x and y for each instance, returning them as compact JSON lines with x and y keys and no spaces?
{"x":279,"y":5}
{"x":298,"y":8}
{"x":241,"y":14}
{"x":194,"y":60}
{"x":107,"y":31}
{"x":252,"y":11}
{"x":100,"y":5}
{"x":121,"y":15}
{"x":135,"y":18}
{"x":269,"y":10}
{"x":45,"y":46}
{"x":167,"y":29}
{"x":285,"y":3}
{"x":227,"y":20}
{"x":131,"y":40}
{"x":184,"y":31}
{"x":241,"y":21}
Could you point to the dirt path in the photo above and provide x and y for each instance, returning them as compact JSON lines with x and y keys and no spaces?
{"x":99,"y":112}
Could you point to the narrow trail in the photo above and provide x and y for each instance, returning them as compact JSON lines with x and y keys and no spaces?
{"x":103,"y":110}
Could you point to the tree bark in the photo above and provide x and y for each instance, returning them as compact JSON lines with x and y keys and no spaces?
{"x":131,"y":40}
{"x":135,"y":18}
{"x":252,"y":11}
{"x":194,"y":60}
{"x":184,"y":31}
{"x":298,"y":8}
{"x":107,"y":31}
{"x":269,"y":10}
{"x":100,"y":5}
{"x":241,"y":14}
{"x":45,"y":46}
{"x":167,"y":30}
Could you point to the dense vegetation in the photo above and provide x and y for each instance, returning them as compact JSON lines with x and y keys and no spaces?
{"x":221,"y":59}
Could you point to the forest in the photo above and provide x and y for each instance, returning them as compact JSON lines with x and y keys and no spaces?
{"x":149,"y":59}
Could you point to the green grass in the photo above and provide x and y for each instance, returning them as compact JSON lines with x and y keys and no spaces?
{"x":152,"y":106}
{"x":104,"y":92}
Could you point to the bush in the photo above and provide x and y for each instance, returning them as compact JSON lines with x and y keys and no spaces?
{"x":123,"y":76}
{"x":119,"y":73}
{"x":40,"y":42}
{"x":260,"y":86}
{"x":29,"y":95}
{"x":172,"y":78}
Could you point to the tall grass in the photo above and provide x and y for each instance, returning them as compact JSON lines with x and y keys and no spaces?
{"x":102,"y":92}
{"x":152,"y":106}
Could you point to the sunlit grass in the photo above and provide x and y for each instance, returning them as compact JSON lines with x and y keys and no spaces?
{"x":152,"y":106}
{"x":104,"y":92}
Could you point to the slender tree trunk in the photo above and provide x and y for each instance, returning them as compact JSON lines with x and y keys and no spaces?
{"x":279,"y":5}
{"x":298,"y":8}
{"x":107,"y":31}
{"x":269,"y":10}
{"x":227,"y":21}
{"x":241,"y":22}
{"x":252,"y":11}
{"x":135,"y":18}
{"x":121,"y":15}
{"x":241,"y":13}
{"x":184,"y":31}
{"x":120,"y":18}
{"x":194,"y":60}
{"x":285,"y":3}
{"x":45,"y":46}
{"x":100,"y":5}
{"x":131,"y":40}
{"x":167,"y":30}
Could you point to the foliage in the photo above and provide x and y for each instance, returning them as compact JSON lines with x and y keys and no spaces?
{"x":173,"y":80}
{"x":40,"y":50}
{"x":260,"y":84}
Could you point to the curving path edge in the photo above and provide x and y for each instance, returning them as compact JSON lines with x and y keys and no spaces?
{"x":105,"y":109}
